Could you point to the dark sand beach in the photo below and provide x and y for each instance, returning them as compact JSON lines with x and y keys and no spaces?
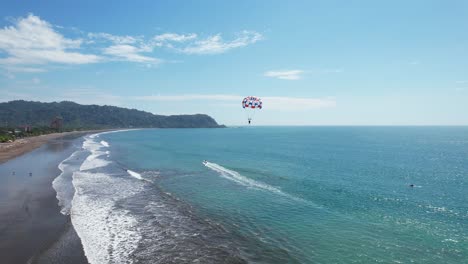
{"x":24,"y":145}
{"x":32,"y":229}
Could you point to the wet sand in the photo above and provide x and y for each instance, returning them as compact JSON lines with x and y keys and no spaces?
{"x":24,"y":145}
{"x":32,"y":229}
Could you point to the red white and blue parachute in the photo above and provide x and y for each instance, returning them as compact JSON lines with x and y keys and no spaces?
{"x":251,"y":104}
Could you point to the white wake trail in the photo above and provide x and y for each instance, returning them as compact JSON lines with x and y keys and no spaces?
{"x":250,"y":183}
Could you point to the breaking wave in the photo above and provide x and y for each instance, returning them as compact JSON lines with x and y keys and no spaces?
{"x":110,"y":233}
{"x":63,"y":183}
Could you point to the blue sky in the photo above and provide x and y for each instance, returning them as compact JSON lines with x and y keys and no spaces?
{"x":311,"y":62}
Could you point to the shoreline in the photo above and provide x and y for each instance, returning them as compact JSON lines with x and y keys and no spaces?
{"x":22,"y":146}
{"x":32,"y":229}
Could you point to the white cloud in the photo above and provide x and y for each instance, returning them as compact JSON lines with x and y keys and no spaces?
{"x":297,"y":74}
{"x":126,"y":48}
{"x":215,"y":44}
{"x":174,"y":37}
{"x":114,"y":39}
{"x":130,"y":53}
{"x":461,"y":82}
{"x":36,"y":81}
{"x":34,"y":41}
{"x":32,"y":44}
{"x":285,"y":75}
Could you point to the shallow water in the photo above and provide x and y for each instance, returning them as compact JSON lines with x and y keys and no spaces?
{"x":274,"y":195}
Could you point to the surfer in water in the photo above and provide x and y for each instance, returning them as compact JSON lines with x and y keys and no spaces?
{"x":205,"y":162}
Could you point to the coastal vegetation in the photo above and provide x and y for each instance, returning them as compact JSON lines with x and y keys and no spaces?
{"x":9,"y":134}
{"x":27,"y":118}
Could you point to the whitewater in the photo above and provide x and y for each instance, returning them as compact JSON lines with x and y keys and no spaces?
{"x":108,"y":234}
{"x":98,"y":193}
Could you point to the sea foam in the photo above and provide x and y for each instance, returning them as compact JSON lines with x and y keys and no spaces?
{"x":108,"y":232}
{"x":63,"y":183}
{"x":93,"y":161}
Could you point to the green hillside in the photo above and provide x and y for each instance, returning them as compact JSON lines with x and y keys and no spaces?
{"x":75,"y":116}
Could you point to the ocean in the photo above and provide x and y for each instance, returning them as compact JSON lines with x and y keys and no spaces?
{"x":270,"y":195}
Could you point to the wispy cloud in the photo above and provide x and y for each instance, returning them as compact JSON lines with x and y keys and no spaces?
{"x":461,"y":82}
{"x":298,"y":74}
{"x":114,"y":39}
{"x":283,"y":103}
{"x":215,"y":44}
{"x":173,"y":37}
{"x":33,"y":41}
{"x":124,"y":48}
{"x":130,"y":53}
{"x":285,"y":74}
{"x":78,"y":95}
{"x":94,"y":96}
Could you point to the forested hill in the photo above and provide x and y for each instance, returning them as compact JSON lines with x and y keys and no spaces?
{"x":76,"y":116}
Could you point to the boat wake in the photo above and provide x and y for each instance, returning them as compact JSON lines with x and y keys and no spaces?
{"x":138,"y":176}
{"x":249,"y":183}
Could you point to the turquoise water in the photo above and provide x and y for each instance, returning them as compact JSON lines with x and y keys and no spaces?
{"x":316,"y":194}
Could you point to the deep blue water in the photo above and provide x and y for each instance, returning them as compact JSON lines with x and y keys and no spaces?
{"x":306,"y":194}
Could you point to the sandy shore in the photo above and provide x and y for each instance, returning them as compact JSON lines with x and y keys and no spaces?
{"x":24,"y":145}
{"x":32,"y":229}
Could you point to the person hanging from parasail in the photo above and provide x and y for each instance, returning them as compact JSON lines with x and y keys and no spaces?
{"x":251,"y":104}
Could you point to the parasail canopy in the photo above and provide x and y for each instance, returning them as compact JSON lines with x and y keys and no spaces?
{"x":252,"y":102}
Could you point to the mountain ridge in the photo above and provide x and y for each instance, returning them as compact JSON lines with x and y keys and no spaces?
{"x":77,"y":116}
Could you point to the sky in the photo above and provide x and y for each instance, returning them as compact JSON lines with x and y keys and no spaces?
{"x":310,"y":62}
